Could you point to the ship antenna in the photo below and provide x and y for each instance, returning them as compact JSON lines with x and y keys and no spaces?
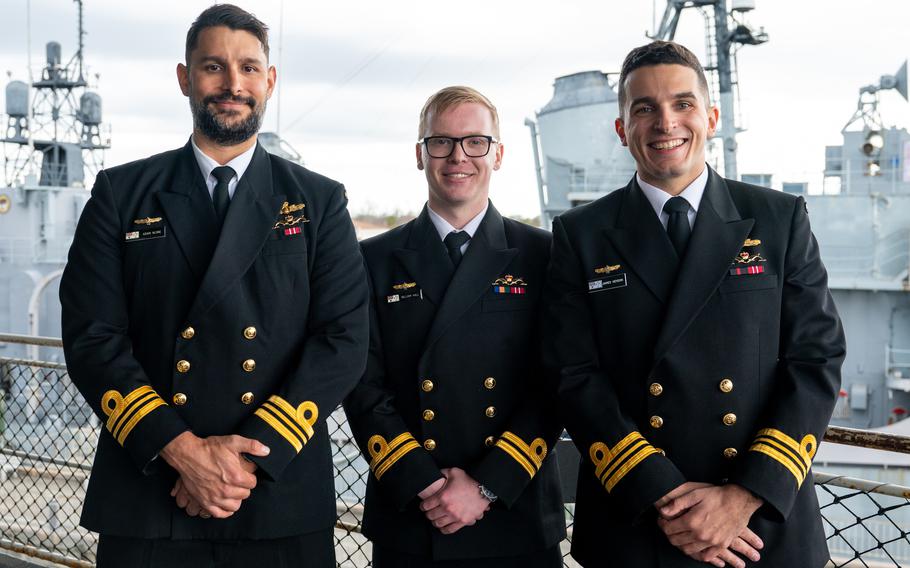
{"x":81,"y":42}
{"x":280,"y":50}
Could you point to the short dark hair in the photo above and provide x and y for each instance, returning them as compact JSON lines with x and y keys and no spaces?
{"x":660,"y":53}
{"x":231,"y":17}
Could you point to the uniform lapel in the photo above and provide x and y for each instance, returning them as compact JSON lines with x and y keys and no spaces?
{"x":643,"y":244}
{"x":717,"y":236}
{"x":425,"y":258}
{"x":189,"y":212}
{"x":487,"y":256}
{"x":250,"y":218}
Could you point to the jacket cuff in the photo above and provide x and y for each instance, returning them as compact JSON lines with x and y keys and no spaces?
{"x":285,"y":429}
{"x":510,"y":465}
{"x":401,"y":467}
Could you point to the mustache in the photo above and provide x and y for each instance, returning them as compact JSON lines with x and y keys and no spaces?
{"x":227,"y":97}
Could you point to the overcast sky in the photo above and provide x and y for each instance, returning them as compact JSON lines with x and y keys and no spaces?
{"x":354,"y":75}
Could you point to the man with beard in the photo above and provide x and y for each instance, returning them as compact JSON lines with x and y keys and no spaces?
{"x":214,"y":314}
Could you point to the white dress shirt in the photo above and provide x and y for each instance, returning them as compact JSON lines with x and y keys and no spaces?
{"x":658,"y":197}
{"x":207,"y":164}
{"x":444,"y":228}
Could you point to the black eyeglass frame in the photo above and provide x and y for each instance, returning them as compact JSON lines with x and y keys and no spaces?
{"x":460,"y":141}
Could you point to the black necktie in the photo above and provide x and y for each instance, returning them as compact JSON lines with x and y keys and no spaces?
{"x":220,"y":196}
{"x":453,"y":242}
{"x":678,"y":225}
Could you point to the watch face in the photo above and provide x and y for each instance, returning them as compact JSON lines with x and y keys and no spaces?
{"x":488,"y":495}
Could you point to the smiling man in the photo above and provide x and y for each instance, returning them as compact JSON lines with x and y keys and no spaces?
{"x":452,"y":413}
{"x":696,"y":347}
{"x":210,"y":333}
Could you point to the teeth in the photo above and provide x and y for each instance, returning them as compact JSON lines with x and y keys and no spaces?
{"x":669,"y":144}
{"x":457,"y":175}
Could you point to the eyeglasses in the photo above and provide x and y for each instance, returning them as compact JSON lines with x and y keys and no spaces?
{"x":476,"y":146}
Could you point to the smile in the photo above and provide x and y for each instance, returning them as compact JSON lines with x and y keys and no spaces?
{"x":458,"y":175}
{"x":667,"y":144}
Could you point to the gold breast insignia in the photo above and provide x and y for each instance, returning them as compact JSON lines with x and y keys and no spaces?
{"x":607,"y":269}
{"x":509,"y":284}
{"x":752,"y":242}
{"x":288,"y":219}
{"x":745,"y":258}
{"x":404,"y":286}
{"x":147,"y":221}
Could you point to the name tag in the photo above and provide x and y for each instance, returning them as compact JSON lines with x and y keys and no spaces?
{"x":609,"y":283}
{"x":411,"y":295}
{"x":145,"y":234}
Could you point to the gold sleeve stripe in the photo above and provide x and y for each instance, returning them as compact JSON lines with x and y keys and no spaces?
{"x":140,"y":414}
{"x":396,"y":455}
{"x":795,"y":456}
{"x":279,"y":427}
{"x":536,"y":451}
{"x":131,"y":409}
{"x":780,"y":458}
{"x":612,"y":464}
{"x":794,"y":459}
{"x":384,"y":454}
{"x":287,"y":421}
{"x":629,"y":466}
{"x":124,"y":413}
{"x":298,"y":415}
{"x":517,"y":456}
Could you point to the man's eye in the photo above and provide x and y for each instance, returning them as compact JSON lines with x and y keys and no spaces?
{"x":642,"y":110}
{"x":249,"y":69}
{"x":440,"y":142}
{"x":213,"y":68}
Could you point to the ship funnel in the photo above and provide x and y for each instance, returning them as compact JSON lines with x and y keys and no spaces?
{"x":898,"y":81}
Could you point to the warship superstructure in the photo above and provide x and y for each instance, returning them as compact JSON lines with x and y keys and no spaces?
{"x":861,"y":219}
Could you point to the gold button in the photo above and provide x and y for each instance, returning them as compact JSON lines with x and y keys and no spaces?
{"x":656,"y":422}
{"x":490,"y":411}
{"x":725,"y":385}
{"x":730,"y":453}
{"x":490,"y":440}
{"x":729,"y":419}
{"x":249,"y":365}
{"x":183,"y":366}
{"x":249,"y":332}
{"x":188,"y":333}
{"x":426,"y":385}
{"x":428,"y":415}
{"x":660,"y":451}
{"x":429,"y":445}
{"x":656,"y":389}
{"x":247,"y":398}
{"x":179,"y":399}
{"x":489,"y":382}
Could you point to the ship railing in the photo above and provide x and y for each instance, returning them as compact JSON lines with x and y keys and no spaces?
{"x":887,"y":259}
{"x":48,"y":436}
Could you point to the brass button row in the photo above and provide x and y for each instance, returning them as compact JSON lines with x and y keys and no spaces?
{"x":429,"y":444}
{"x":249,"y":332}
{"x":426,"y":385}
{"x":183,"y":366}
{"x":180,"y":399}
{"x":656,"y":422}
{"x":490,"y":411}
{"x":657,"y":389}
{"x":489,"y":383}
{"x":729,"y":419}
{"x":428,"y":415}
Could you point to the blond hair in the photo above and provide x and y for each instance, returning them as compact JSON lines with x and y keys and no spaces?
{"x":450,"y":97}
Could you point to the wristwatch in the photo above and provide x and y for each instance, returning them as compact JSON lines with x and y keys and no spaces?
{"x":487,"y":494}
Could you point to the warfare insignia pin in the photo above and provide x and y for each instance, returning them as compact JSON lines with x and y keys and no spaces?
{"x":404,"y":286}
{"x":752,"y":242}
{"x":288,"y":219}
{"x":147,"y":221}
{"x":509,"y":284}
{"x":744,"y":257}
{"x":607,"y":269}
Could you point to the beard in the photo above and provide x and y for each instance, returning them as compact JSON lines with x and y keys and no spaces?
{"x":214,"y":127}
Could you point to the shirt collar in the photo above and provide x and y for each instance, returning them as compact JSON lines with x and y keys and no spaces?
{"x":658,"y":197}
{"x":207,"y":164}
{"x":443,"y":227}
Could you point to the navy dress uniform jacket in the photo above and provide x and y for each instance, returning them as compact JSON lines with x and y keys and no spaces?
{"x":721,"y":367}
{"x":168,"y":327}
{"x":454,"y":379}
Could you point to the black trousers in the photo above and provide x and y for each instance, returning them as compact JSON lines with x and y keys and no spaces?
{"x":311,"y":550}
{"x":387,"y":558}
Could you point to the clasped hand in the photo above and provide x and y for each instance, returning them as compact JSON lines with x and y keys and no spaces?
{"x":709,"y":523}
{"x":215,"y":477}
{"x":453,"y":503}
